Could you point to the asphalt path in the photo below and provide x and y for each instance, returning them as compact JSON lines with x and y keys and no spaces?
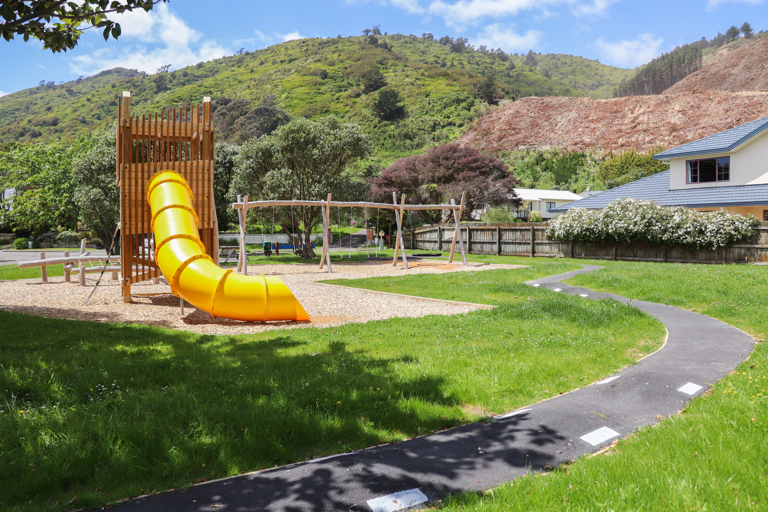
{"x":698,"y":352}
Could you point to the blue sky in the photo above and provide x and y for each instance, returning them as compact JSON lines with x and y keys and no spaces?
{"x":624,"y":33}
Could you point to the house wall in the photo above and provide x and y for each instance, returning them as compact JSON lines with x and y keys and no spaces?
{"x":756,"y":211}
{"x":749,"y":166}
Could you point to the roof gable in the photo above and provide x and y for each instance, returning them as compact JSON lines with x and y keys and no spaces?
{"x":722,"y":142}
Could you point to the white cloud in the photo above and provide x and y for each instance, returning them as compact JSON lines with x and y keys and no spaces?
{"x":504,"y":36}
{"x":411,"y":6}
{"x":595,"y":8}
{"x":291,"y":36}
{"x":262,"y":37}
{"x":714,"y":3}
{"x":154,"y":39}
{"x":466,"y":11}
{"x":630,"y":53}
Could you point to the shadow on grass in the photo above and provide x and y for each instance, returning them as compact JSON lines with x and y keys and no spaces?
{"x":115,"y":410}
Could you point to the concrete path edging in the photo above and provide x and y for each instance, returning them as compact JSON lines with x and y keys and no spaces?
{"x":699,"y":351}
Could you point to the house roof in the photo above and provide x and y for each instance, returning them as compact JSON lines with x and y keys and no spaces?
{"x":535,"y":194}
{"x":722,"y":142}
{"x":656,"y":188}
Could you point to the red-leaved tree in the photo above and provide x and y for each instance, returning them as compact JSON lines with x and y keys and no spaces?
{"x":442,"y":174}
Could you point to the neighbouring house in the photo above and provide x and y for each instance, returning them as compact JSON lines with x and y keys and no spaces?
{"x":544,"y":200}
{"x":726,"y":171}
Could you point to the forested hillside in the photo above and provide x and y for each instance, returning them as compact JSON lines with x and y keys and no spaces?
{"x":405,"y":91}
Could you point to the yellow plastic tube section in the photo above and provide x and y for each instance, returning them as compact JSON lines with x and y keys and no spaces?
{"x":194,"y":276}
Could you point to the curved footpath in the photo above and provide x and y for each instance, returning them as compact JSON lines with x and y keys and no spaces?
{"x":699,"y":351}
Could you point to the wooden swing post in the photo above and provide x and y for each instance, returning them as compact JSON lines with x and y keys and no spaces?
{"x":326,"y":257}
{"x":399,"y":244}
{"x":457,"y":232}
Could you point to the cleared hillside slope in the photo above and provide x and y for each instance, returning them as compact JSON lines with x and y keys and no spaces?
{"x":731,"y":91}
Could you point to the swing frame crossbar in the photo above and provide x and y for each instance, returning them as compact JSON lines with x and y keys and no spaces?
{"x":458,"y":209}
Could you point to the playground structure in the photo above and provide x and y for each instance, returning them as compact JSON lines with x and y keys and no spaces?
{"x":168,"y":225}
{"x":243,"y":206}
{"x":178,"y":140}
{"x":194,"y":276}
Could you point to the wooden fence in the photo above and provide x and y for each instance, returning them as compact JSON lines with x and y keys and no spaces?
{"x":529,"y":239}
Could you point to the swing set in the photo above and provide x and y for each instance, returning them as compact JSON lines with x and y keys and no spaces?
{"x":243,"y":206}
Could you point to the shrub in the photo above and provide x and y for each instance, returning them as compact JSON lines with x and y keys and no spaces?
{"x":638,"y":221}
{"x":20,"y":243}
{"x":535,"y":216}
{"x":499,"y":214}
{"x":69,"y":238}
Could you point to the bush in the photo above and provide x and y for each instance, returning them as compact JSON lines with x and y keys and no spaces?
{"x":47,"y":238}
{"x":499,"y":214}
{"x":20,"y":243}
{"x":535,"y":216}
{"x":638,"y":221}
{"x":69,"y":238}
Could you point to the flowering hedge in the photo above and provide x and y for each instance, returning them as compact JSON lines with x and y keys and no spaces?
{"x":639,"y":221}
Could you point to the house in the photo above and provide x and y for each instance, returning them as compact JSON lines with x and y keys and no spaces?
{"x":544,"y":200}
{"x":726,"y":171}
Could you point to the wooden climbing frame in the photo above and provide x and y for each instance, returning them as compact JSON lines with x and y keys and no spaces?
{"x":179,"y":140}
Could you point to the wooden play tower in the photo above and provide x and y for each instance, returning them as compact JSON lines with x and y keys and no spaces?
{"x":179,"y":140}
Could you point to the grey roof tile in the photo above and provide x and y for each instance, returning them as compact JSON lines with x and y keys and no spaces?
{"x":656,"y":188}
{"x":718,"y":143}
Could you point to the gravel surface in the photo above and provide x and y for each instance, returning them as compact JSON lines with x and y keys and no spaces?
{"x":326,"y":305}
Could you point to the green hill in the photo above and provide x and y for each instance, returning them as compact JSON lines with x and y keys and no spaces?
{"x":439,"y":86}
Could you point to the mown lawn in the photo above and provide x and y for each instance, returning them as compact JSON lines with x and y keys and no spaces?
{"x":91,"y":413}
{"x":711,"y":457}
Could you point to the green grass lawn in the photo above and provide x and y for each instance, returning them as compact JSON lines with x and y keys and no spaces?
{"x":10,"y":272}
{"x":100,"y":412}
{"x":711,"y":457}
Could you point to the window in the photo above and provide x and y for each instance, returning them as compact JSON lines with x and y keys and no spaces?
{"x":550,"y":205}
{"x":709,"y":170}
{"x":765,"y":214}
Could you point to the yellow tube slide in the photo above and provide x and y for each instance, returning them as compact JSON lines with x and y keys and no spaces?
{"x":192,"y":274}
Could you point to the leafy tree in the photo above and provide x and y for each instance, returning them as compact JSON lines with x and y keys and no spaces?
{"x":59,"y":23}
{"x":442,"y":174}
{"x":376,"y":30}
{"x":746,"y":29}
{"x":41,"y":177}
{"x":387,"y":105}
{"x":530,"y":59}
{"x":366,"y":32}
{"x":732,"y":33}
{"x":224,"y":171}
{"x":373,"y":79}
{"x":488,"y":90}
{"x":96,"y":195}
{"x":303,"y":159}
{"x":629,"y":166}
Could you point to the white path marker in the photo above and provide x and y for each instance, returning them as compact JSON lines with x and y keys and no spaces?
{"x":398,"y":501}
{"x":600,"y":436}
{"x":609,"y":379}
{"x":557,"y":290}
{"x":536,"y":285}
{"x":690,"y":389}
{"x":510,"y":414}
{"x":583,"y":295}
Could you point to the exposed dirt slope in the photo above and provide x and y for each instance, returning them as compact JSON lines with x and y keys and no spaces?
{"x":745,"y":69}
{"x":640,"y":122}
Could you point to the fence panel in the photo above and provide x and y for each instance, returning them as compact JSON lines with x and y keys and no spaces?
{"x":529,"y":239}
